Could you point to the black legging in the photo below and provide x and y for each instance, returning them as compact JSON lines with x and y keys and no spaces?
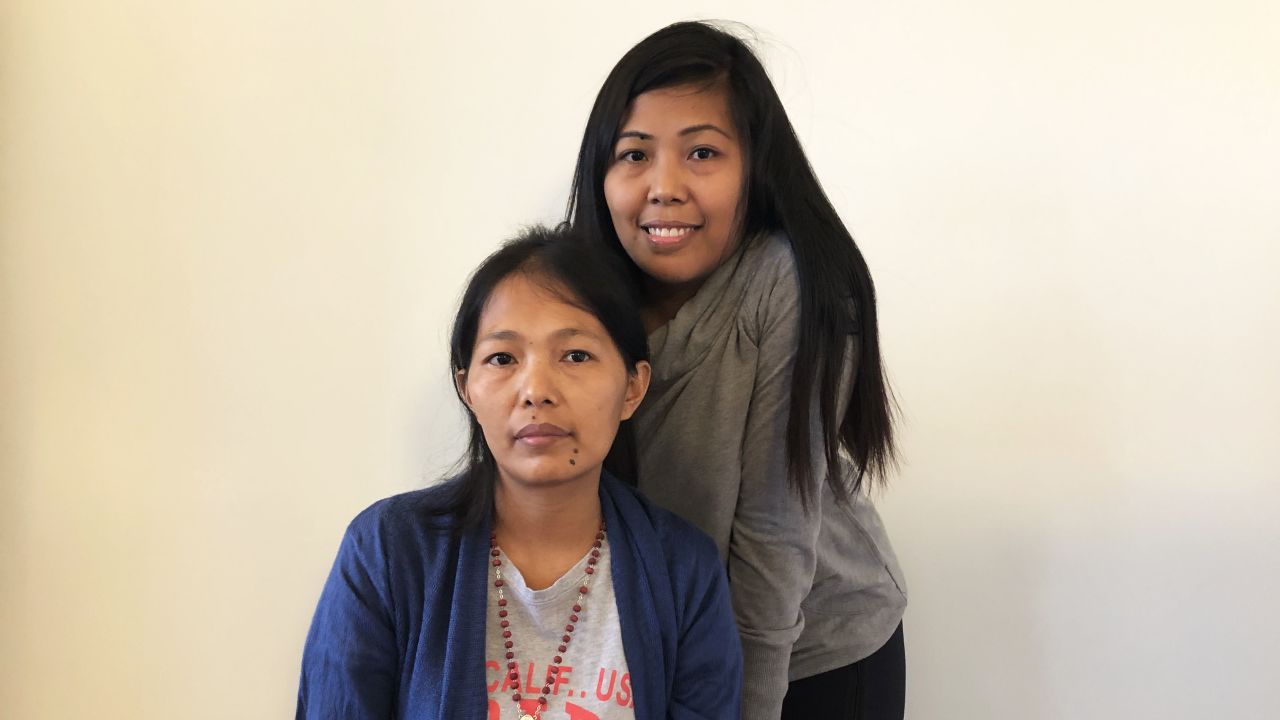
{"x":874,"y":688}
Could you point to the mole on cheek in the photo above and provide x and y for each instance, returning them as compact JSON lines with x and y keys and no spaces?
{"x":571,"y":460}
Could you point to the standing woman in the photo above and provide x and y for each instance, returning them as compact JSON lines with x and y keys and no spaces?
{"x":768,"y":416}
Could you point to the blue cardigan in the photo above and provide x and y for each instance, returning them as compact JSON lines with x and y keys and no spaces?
{"x":400,"y":628}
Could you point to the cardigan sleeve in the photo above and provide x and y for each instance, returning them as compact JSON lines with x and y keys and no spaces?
{"x":349,"y":664}
{"x":708,"y":673}
{"x":772,"y":549}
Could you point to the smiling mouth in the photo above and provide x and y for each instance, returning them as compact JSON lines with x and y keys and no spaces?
{"x":665,"y":234}
{"x":668,"y":232}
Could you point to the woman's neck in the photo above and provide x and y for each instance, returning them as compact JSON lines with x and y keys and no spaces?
{"x":544,"y":531}
{"x":663,"y":301}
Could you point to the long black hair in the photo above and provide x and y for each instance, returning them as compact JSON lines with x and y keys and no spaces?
{"x":837,"y":298}
{"x":583,"y":276}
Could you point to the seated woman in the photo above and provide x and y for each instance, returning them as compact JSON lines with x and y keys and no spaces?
{"x":535,"y":584}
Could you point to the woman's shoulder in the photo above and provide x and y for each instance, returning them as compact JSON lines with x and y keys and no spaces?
{"x":417,"y":512}
{"x":772,"y":299}
{"x":776,"y":247}
{"x":770,"y":259}
{"x":679,"y":538}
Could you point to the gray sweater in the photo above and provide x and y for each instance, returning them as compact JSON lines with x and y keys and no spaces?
{"x":811,"y":591}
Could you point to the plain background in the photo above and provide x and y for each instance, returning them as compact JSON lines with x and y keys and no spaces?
{"x":234,"y":233}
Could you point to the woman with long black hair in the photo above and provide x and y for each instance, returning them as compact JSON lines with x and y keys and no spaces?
{"x":768,"y":416}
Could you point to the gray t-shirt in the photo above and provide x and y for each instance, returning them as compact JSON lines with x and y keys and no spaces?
{"x":594,"y":683}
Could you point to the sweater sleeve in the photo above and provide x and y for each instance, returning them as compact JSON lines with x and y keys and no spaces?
{"x":349,"y":664}
{"x":772,"y":548}
{"x":708,"y":673}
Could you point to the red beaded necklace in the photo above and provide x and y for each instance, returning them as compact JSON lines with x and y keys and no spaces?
{"x":553,"y":669}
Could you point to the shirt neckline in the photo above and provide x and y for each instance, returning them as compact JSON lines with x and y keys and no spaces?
{"x":569,"y":582}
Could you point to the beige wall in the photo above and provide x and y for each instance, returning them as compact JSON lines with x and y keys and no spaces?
{"x":233,"y":232}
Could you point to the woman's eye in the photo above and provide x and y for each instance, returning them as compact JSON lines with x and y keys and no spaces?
{"x":631,"y":156}
{"x":703,"y":153}
{"x":577,"y":356}
{"x":500,"y":359}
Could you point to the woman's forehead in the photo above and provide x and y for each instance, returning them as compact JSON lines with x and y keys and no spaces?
{"x":705,"y":103}
{"x":526,"y":304}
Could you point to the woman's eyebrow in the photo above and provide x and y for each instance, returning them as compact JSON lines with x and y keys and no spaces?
{"x":575,"y":332}
{"x":704,"y":126}
{"x":687,"y":131}
{"x":500,"y":335}
{"x":561,"y":333}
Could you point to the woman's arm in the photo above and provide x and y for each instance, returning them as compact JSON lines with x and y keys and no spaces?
{"x":349,"y":665}
{"x":708,"y":673}
{"x":772,"y":555}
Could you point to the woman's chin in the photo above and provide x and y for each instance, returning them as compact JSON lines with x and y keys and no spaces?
{"x":548,"y":474}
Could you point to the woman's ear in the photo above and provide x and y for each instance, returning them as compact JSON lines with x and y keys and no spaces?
{"x":460,"y":382}
{"x":637,"y":386}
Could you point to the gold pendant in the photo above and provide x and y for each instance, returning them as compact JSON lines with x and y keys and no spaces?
{"x":527,"y":716}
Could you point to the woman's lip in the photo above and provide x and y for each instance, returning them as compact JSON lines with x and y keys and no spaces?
{"x":668,"y":224}
{"x":673,"y":234}
{"x":537,"y":431}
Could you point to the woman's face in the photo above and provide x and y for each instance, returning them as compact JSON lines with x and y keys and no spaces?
{"x":547,"y":385}
{"x":674,"y":183}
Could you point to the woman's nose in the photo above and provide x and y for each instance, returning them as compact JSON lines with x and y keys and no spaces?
{"x":539,"y":387}
{"x":667,"y":184}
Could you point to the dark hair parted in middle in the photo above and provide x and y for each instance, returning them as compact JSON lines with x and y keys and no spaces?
{"x":578,"y":274}
{"x":780,"y":193}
